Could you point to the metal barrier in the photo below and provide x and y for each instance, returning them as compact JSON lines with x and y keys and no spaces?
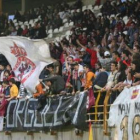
{"x":105,"y":112}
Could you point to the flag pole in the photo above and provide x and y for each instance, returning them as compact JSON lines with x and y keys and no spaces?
{"x":90,"y":130}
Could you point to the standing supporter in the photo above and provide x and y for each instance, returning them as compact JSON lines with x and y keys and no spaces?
{"x":4,"y":95}
{"x":7,"y":75}
{"x":8,"y":67}
{"x":25,"y":31}
{"x":19,"y":30}
{"x":106,"y":61}
{"x":98,"y":66}
{"x":66,"y":68}
{"x":132,"y":30}
{"x":89,"y":77}
{"x":116,"y":56}
{"x":122,"y":68}
{"x":136,"y":49}
{"x":128,"y":24}
{"x":125,"y":57}
{"x":135,"y":69}
{"x":13,"y":32}
{"x":55,"y":83}
{"x":39,"y":90}
{"x":83,"y":39}
{"x":76,"y":74}
{"x":85,"y":56}
{"x":6,"y":87}
{"x":92,"y":53}
{"x":101,"y":79}
{"x":2,"y":69}
{"x":50,"y":68}
{"x":57,"y":68}
{"x":13,"y":89}
{"x":112,"y":78}
{"x":44,"y":74}
{"x":1,"y":89}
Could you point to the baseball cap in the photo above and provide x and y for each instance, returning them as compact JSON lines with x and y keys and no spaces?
{"x":82,"y":50}
{"x":106,"y":53}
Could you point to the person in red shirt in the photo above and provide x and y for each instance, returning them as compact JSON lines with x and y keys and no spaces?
{"x":25,"y":30}
{"x":116,"y":56}
{"x":93,"y":54}
{"x":125,"y":57}
{"x":83,"y":38}
{"x":7,"y":75}
{"x":128,"y":24}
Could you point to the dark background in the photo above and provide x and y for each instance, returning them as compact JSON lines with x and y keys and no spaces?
{"x":9,"y":6}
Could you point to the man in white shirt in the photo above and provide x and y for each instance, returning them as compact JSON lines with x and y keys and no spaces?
{"x":112,"y":78}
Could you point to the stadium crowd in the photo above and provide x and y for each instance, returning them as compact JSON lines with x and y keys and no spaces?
{"x":102,"y":51}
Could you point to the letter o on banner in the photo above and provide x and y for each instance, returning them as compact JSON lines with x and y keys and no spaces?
{"x":136,"y":127}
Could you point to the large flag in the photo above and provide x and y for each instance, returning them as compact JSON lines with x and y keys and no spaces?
{"x":90,"y":99}
{"x":125,"y":114}
{"x":90,"y":131}
{"x":27,"y":58}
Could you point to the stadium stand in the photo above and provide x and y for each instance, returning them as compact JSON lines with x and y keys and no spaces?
{"x":95,"y":46}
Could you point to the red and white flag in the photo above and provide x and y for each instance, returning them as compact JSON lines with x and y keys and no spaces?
{"x":27,"y":58}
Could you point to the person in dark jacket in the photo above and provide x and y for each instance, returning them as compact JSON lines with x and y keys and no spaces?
{"x":101,"y":79}
{"x":55,"y":83}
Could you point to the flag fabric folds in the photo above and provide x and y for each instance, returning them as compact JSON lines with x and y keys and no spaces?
{"x":27,"y":58}
{"x":90,"y":99}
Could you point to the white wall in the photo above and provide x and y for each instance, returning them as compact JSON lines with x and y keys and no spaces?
{"x":62,"y":135}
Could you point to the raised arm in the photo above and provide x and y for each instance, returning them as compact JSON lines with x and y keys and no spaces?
{"x":78,"y":42}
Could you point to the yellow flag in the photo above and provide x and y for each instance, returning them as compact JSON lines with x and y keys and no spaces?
{"x":90,"y":132}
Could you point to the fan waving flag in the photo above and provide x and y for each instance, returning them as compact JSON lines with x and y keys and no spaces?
{"x":27,"y":58}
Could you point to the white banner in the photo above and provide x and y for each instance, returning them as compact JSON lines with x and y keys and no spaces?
{"x":1,"y":123}
{"x":27,"y":58}
{"x":125,"y":114}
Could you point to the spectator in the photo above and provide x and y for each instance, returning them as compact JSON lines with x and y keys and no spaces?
{"x":89,"y":76}
{"x":98,"y":66}
{"x":40,"y":90}
{"x":125,"y":57}
{"x":112,"y":78}
{"x":55,"y":83}
{"x":7,"y":75}
{"x":50,"y":70}
{"x":101,"y":79}
{"x":106,"y":61}
{"x":92,"y":53}
{"x":77,"y":73}
{"x":132,"y":30}
{"x":25,"y":31}
{"x":2,"y":69}
{"x":116,"y":56}
{"x":19,"y":30}
{"x":135,"y":68}
{"x":13,"y":90}
{"x":85,"y":56}
{"x":6,"y":91}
